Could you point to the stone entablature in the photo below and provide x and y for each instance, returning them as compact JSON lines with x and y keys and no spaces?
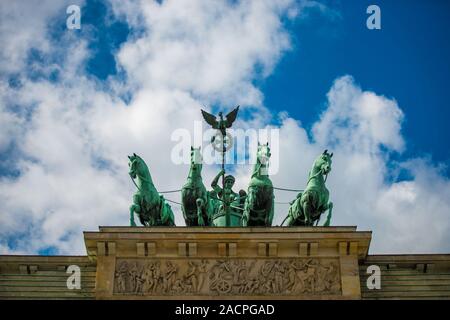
{"x":258,"y":263}
{"x":227,"y":263}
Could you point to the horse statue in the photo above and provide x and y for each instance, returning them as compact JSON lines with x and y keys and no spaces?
{"x":150,"y":207}
{"x":196,"y":202}
{"x":309,"y":205}
{"x":259,"y":203}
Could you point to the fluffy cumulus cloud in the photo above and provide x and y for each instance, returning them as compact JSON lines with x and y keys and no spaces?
{"x":363,"y":129}
{"x":65,"y":142}
{"x":211,"y":49}
{"x":393,"y":199}
{"x":23,"y":27}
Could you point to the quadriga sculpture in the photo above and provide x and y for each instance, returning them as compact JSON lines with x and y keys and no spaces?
{"x":197,"y":205}
{"x":150,"y":207}
{"x":259,"y":204}
{"x":313,"y":201}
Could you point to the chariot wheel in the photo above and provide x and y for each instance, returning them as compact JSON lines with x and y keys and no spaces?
{"x":223,"y":286}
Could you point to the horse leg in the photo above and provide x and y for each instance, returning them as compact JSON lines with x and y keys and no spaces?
{"x":306,"y":212}
{"x":290,"y":222}
{"x":246,"y":212}
{"x":294,"y":213}
{"x":200,"y":207}
{"x":271,"y":212}
{"x":244,"y":219}
{"x":209,"y":210}
{"x":172,"y":218}
{"x":330,"y":210}
{"x":134,"y":208}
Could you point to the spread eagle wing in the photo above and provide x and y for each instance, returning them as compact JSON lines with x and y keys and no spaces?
{"x":210,"y":119}
{"x":231,"y":117}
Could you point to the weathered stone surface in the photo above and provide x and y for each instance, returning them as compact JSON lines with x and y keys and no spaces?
{"x":419,"y":276}
{"x":227,"y":277}
{"x":217,"y":259}
{"x":44,"y":277}
{"x":228,"y":263}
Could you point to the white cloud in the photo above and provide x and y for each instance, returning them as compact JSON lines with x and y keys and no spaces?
{"x":362,"y":129}
{"x":73,"y":145}
{"x":363,"y":120}
{"x":414,"y":214}
{"x":72,"y":138}
{"x":210,"y":49}
{"x":25,"y":25}
{"x":9,"y":128}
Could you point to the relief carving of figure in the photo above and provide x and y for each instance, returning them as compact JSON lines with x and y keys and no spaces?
{"x":121,"y":276}
{"x":227,"y":277}
{"x":147,"y":276}
{"x":134,"y":274}
{"x":170,"y":276}
{"x":192,"y":276}
{"x":156,"y":276}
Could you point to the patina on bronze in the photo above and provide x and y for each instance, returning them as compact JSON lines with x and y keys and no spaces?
{"x":221,"y":206}
{"x":259,"y":204}
{"x":225,"y":194}
{"x":197,"y":204}
{"x":309,"y":205}
{"x":148,"y":204}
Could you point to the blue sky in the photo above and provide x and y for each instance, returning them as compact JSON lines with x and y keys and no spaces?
{"x":408,"y":55}
{"x":407,"y":59}
{"x":74,"y":103}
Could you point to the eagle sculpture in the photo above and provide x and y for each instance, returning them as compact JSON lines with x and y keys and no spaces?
{"x":221,"y":123}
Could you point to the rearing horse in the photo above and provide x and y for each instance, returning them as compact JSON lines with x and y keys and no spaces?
{"x":259,"y":204}
{"x":150,"y":207}
{"x":196,"y":202}
{"x":313,"y":201}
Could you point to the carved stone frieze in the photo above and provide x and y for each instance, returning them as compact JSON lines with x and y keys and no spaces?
{"x":222,"y":277}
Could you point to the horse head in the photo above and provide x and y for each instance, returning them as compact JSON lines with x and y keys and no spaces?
{"x":138,"y":168}
{"x":323,"y":162}
{"x":263,"y":154}
{"x":196,"y":159}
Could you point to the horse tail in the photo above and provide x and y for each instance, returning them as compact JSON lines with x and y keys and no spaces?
{"x":166,"y":213}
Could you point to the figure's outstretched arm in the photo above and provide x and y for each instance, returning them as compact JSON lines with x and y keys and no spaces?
{"x":214,"y":183}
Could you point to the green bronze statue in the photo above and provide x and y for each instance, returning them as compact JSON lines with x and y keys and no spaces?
{"x":309,"y":205}
{"x":196,"y":203}
{"x":150,"y":207}
{"x":259,"y":203}
{"x":221,"y":206}
{"x":229,"y":212}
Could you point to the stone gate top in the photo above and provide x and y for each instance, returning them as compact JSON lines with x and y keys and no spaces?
{"x":227,"y":263}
